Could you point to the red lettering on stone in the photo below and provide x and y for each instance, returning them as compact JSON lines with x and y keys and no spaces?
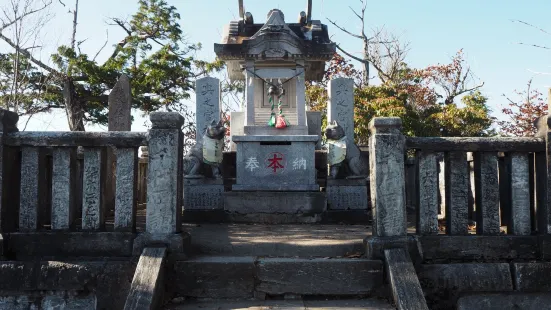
{"x":275,"y":162}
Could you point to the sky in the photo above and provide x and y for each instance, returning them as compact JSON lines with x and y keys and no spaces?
{"x":435,"y":30}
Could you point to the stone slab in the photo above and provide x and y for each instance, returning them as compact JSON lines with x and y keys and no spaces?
{"x":318,"y":276}
{"x":532,"y":277}
{"x":120,"y":106}
{"x":444,"y":283}
{"x":313,"y":121}
{"x":57,"y":300}
{"x":285,"y":240}
{"x":275,"y":163}
{"x":479,"y":248}
{"x":404,"y":283}
{"x":376,"y":246}
{"x":509,"y":301}
{"x":237,"y":124}
{"x":341,"y":104}
{"x":207,"y":102}
{"x":347,"y":197}
{"x":275,"y":202}
{"x":364,"y":304}
{"x":203,"y":194}
{"x":70,"y":244}
{"x":110,"y":280}
{"x":213,"y":277}
{"x":272,"y":131}
{"x":147,"y":289}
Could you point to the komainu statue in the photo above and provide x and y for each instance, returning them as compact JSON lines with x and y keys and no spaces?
{"x":342,"y":153}
{"x":207,"y":152}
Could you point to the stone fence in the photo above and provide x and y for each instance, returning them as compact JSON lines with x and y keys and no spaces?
{"x":40,"y":205}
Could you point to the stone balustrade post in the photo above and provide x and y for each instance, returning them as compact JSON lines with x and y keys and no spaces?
{"x":387,"y":178}
{"x":165,"y":176}
{"x":9,"y":195}
{"x":544,"y":212}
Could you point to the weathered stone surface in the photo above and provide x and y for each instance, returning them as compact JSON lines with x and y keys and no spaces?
{"x":203,"y":194}
{"x":126,"y":189}
{"x":213,"y":277}
{"x":207,"y":103}
{"x":176,"y":243}
{"x":70,"y":244}
{"x":275,"y":202}
{"x":120,"y":106}
{"x":519,"y":194}
{"x":275,"y":163}
{"x":543,"y":211}
{"x":147,"y":289}
{"x":300,"y":93}
{"x":74,"y":138}
{"x":29,"y":193}
{"x":285,"y":240}
{"x":313,"y":121}
{"x":57,"y":300}
{"x":427,"y":199}
{"x":237,"y":125}
{"x":376,"y":246}
{"x":476,"y":144}
{"x":63,"y":204}
{"x":346,"y":197}
{"x":443,"y":284}
{"x":405,"y":286}
{"x":509,"y":301}
{"x":92,"y":208}
{"x":112,"y":282}
{"x":479,"y":248}
{"x":487,"y":193}
{"x":387,"y":179}
{"x":457,"y":193}
{"x":165,"y":186}
{"x":352,"y":304}
{"x":532,"y":277}
{"x":318,"y":276}
{"x":547,"y":209}
{"x":341,"y":104}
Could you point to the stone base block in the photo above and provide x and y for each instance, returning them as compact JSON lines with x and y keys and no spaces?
{"x":347,"y":194}
{"x":203,"y":194}
{"x":176,"y":243}
{"x":444,"y":284}
{"x":376,"y":246}
{"x":505,"y":301}
{"x":532,"y":277}
{"x":275,"y":202}
{"x":272,"y":131}
{"x":276,"y":187}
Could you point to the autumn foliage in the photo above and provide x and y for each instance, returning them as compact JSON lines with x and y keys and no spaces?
{"x":522,"y":113}
{"x":425,"y":99}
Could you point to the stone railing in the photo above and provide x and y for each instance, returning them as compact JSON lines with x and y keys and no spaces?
{"x":46,"y":211}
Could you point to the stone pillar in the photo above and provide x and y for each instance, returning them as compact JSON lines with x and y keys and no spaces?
{"x":545,"y":223}
{"x":249,"y":93}
{"x":301,"y":94}
{"x":341,"y":104}
{"x":164,"y":183}
{"x":119,"y":119}
{"x":9,"y":197}
{"x":387,"y":180}
{"x":207,"y":104}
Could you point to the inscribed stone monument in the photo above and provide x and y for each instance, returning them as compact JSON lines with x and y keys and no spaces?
{"x":207,"y":104}
{"x":341,"y":104}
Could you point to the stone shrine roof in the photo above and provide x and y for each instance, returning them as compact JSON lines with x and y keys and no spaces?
{"x":277,"y":41}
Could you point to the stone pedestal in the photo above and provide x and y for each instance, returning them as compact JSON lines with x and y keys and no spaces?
{"x":275,"y":163}
{"x":203,"y":194}
{"x":347,"y":194}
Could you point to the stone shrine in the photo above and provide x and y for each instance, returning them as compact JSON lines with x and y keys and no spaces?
{"x":276,"y":140}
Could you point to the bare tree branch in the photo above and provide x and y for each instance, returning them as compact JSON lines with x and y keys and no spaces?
{"x":17,"y":19}
{"x":344,"y":30}
{"x":104,"y":44}
{"x":28,"y":55}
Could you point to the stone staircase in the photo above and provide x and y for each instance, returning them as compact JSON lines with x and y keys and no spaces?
{"x":277,"y":267}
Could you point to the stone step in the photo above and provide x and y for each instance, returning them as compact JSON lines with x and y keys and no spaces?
{"x":352,"y":304}
{"x":508,"y":300}
{"x":247,"y":277}
{"x":307,"y":240}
